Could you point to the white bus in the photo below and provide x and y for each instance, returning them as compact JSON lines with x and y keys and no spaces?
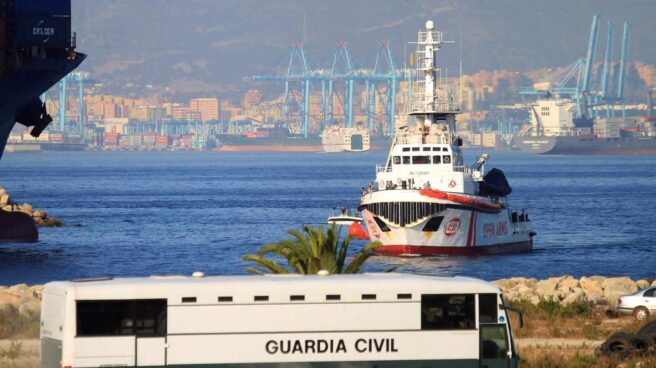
{"x":368,"y":320}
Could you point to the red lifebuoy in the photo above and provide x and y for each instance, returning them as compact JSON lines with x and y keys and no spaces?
{"x":452,"y":184}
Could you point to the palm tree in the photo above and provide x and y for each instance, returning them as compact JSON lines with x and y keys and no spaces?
{"x":309,"y":252}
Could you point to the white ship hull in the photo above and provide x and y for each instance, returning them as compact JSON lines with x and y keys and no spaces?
{"x":421,"y":226}
{"x":345,"y":140}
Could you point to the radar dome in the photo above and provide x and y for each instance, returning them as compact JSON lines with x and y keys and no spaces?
{"x":429,"y":25}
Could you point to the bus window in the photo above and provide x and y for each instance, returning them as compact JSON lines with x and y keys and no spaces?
{"x":397,"y":160}
{"x":420,"y":160}
{"x":406,"y":160}
{"x":448,"y":312}
{"x":121,"y":317}
{"x":487,"y":308}
{"x":105,"y":318}
{"x":150,"y":317}
{"x":446,"y":159}
{"x":437,"y":159}
{"x":494,"y":342}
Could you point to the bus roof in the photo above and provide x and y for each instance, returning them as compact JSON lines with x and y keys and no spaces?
{"x":276,"y":286}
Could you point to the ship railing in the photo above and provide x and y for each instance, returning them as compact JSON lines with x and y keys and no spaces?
{"x":420,"y":106}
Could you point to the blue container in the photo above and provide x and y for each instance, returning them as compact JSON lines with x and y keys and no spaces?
{"x":43,"y":31}
{"x":43,"y":7}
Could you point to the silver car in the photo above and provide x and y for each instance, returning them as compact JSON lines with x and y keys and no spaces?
{"x":641,"y":304}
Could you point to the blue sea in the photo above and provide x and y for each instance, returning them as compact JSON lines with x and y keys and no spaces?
{"x":131,"y":213}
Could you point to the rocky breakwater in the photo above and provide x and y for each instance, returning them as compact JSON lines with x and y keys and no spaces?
{"x":592,"y":290}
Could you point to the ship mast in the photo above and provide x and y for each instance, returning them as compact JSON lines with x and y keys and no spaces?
{"x":433,"y":104}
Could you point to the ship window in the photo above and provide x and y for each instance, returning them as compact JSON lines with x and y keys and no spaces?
{"x":415,"y":148}
{"x":382,"y":225}
{"x":426,"y":149}
{"x":436,"y":148}
{"x":448,"y":312}
{"x":420,"y":160}
{"x":433,"y":224}
{"x":445,"y":149}
{"x":437,"y":159}
{"x":446,"y":159}
{"x":397,"y":160}
{"x":406,"y":149}
{"x":406,"y":160}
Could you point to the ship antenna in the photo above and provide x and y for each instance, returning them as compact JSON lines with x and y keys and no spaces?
{"x":460,"y":93}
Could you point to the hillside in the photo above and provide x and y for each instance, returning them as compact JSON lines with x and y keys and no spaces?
{"x":209,"y":45}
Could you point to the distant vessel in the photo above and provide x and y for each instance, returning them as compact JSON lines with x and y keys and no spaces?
{"x":345,"y":139}
{"x":555,"y":131}
{"x":38,"y":50}
{"x":427,"y":202}
{"x":344,"y":216}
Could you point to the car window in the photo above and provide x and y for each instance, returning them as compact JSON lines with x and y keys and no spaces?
{"x":649,"y":293}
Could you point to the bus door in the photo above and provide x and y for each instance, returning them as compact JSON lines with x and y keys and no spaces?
{"x":495,"y":352}
{"x":150,"y":328}
{"x":151,"y":351}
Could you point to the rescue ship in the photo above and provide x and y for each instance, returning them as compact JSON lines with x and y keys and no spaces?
{"x":425,"y":200}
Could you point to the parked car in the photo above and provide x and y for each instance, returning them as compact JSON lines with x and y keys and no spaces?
{"x":641,"y":304}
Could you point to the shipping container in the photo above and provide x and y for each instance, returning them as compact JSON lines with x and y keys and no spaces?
{"x":43,"y":31}
{"x":43,"y":7}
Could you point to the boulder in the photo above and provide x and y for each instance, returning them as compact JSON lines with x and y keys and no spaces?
{"x":4,"y":199}
{"x":594,"y":292}
{"x":653,"y":283}
{"x":565,"y":287}
{"x":575,"y":296}
{"x":641,"y":284}
{"x":547,"y":288}
{"x":26,"y":208}
{"x":615,"y":287}
{"x":39,"y":214}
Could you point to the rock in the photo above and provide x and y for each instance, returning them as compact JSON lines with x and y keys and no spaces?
{"x":2,"y":192}
{"x":49,"y":222}
{"x":8,"y":208}
{"x":576,"y":296}
{"x":39,"y":214}
{"x":547,"y":288}
{"x":641,"y":284}
{"x":17,"y":227}
{"x":26,"y":208}
{"x":617,"y":286}
{"x":594,"y":292}
{"x":653,"y":283}
{"x":565,"y":287}
{"x":4,"y":199}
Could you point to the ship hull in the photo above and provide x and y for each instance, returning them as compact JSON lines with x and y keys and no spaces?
{"x":422,"y":226}
{"x":26,"y":84}
{"x":576,"y":145}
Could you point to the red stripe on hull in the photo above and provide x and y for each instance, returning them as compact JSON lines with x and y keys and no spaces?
{"x":423,"y":250}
